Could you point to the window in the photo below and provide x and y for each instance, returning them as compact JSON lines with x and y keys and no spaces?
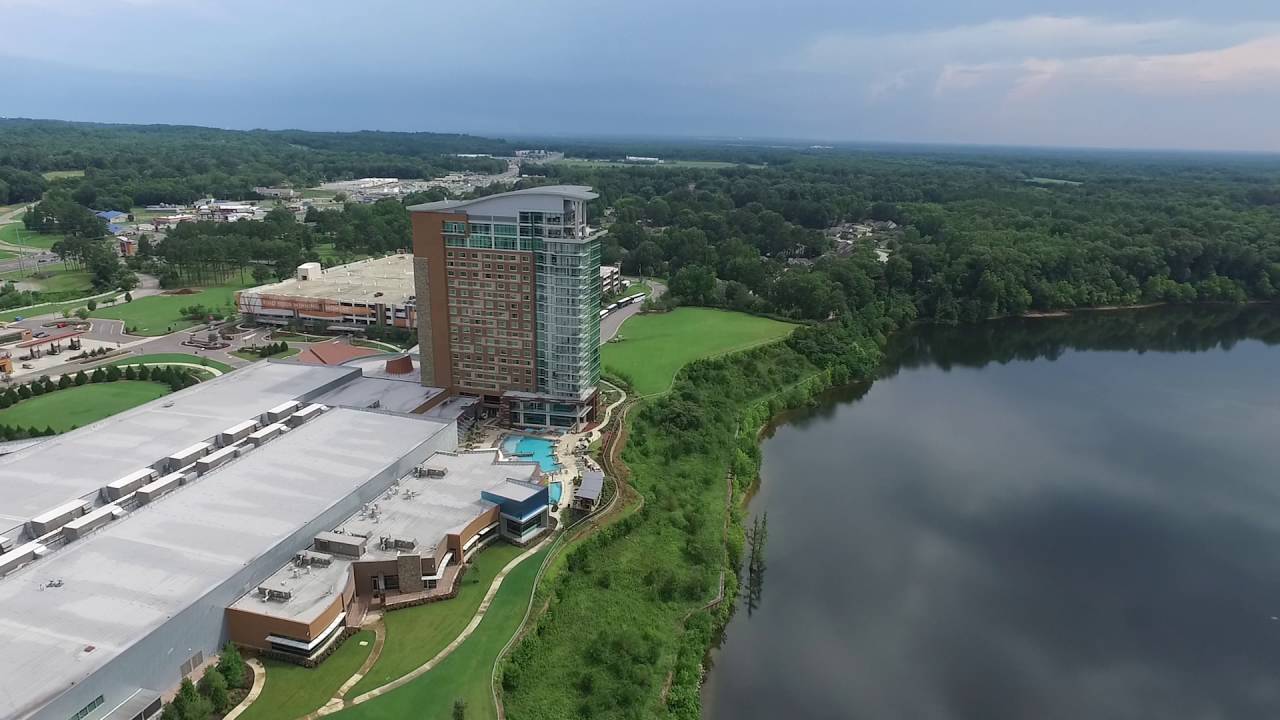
{"x":84,"y":711}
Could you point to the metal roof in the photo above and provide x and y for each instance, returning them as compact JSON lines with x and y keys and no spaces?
{"x":78,"y":463}
{"x":127,"y":580}
{"x":568,"y":192}
{"x":591,"y":487}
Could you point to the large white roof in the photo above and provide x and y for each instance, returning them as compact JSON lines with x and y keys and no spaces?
{"x":128,"y":579}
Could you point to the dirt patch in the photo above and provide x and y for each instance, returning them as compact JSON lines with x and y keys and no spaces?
{"x":181,"y":291}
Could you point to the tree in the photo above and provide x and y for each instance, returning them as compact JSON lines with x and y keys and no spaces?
{"x":37,"y":388}
{"x":231,"y":665}
{"x":113,"y":373}
{"x":130,"y":373}
{"x":459,"y":709}
{"x":213,"y":685}
{"x":92,"y":305}
{"x":81,"y":378}
{"x":64,"y":382}
{"x":128,"y":297}
{"x":99,"y":375}
{"x":262,"y":275}
{"x":144,"y":372}
{"x":694,"y":284}
{"x":191,"y":705}
{"x":24,"y":392}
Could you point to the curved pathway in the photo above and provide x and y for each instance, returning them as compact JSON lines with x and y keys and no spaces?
{"x":259,"y":681}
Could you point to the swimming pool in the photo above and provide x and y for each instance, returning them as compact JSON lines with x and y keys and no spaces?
{"x":554,"y":492}
{"x":526,"y":447}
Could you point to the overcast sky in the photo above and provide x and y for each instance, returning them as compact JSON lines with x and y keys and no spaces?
{"x":1102,"y":73}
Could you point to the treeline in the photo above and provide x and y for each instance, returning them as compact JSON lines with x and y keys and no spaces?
{"x":84,"y":244}
{"x":373,"y":228}
{"x":981,"y":237}
{"x":19,"y":186}
{"x":130,"y":165}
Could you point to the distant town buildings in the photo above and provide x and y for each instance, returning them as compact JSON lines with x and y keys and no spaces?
{"x":508,"y":293}
{"x":278,"y":193}
{"x":642,"y":160}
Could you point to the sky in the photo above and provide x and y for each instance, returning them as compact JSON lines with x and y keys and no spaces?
{"x":1177,"y":74}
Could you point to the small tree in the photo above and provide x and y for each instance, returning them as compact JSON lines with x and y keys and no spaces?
{"x":37,"y":388}
{"x":130,"y":373}
{"x":64,"y":382}
{"x":47,"y":384}
{"x":231,"y":665}
{"x":24,"y":392}
{"x":144,"y":372}
{"x":214,"y":686}
{"x":81,"y":378}
{"x":82,"y":313}
{"x":92,"y":305}
{"x":98,"y":376}
{"x":4,"y":401}
{"x":459,"y":709}
{"x":191,"y":705}
{"x":113,"y":373}
{"x":128,"y":297}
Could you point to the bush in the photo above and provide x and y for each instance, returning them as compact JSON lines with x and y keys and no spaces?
{"x":99,"y":375}
{"x":64,"y":382}
{"x":113,"y":373}
{"x":213,"y":685}
{"x":128,"y":297}
{"x":92,"y":305}
{"x":130,"y":373}
{"x":24,"y":392}
{"x":231,"y":665}
{"x":81,"y":378}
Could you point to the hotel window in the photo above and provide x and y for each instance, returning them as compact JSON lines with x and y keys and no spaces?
{"x":455,"y":227}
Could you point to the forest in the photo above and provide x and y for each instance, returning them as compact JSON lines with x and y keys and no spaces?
{"x":133,"y":165}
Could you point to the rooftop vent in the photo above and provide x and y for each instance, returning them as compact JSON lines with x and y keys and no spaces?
{"x":402,"y":365}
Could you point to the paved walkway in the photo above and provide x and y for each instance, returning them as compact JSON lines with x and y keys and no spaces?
{"x":448,"y":650}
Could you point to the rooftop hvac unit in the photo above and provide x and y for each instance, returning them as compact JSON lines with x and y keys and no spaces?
{"x":281,"y":595}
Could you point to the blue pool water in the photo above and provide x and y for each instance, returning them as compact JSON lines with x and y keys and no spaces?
{"x":525,"y":447}
{"x":554,"y":491}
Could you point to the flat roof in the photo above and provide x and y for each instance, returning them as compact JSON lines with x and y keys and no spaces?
{"x":355,"y":282}
{"x":569,"y":192}
{"x":591,"y":487}
{"x":128,"y":579}
{"x":436,"y":506}
{"x":388,"y":394}
{"x":78,"y":463}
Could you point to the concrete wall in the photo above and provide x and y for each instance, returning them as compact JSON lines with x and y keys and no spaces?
{"x":153,"y":661}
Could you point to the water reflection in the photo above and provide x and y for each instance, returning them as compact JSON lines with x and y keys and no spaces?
{"x":1017,"y":524}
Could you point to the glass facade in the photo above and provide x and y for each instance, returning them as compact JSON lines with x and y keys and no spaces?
{"x":568,"y":296}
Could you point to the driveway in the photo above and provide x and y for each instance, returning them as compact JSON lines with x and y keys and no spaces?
{"x":611,"y":323}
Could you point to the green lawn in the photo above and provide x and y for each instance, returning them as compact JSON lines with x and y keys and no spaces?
{"x":376,"y":345}
{"x":54,"y":277}
{"x":293,"y":691}
{"x":164,"y":358}
{"x":465,"y":674}
{"x":416,"y":634}
{"x":16,"y":234}
{"x":654,"y":346}
{"x":79,"y":406}
{"x":158,"y":314}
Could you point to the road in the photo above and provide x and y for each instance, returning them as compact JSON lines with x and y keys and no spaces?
{"x":611,"y":323}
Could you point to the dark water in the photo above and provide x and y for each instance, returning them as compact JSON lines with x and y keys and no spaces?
{"x":1032,"y":519}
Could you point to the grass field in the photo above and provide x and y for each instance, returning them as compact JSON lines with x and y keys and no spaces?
{"x":655,"y":346}
{"x":293,"y":691}
{"x":78,"y":406}
{"x":60,"y":174}
{"x":163,"y":358}
{"x":416,"y":634}
{"x":158,"y":314}
{"x":465,"y":674}
{"x":16,"y":234}
{"x":54,"y":277}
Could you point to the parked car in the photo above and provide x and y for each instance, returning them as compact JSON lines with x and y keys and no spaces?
{"x":41,"y":334}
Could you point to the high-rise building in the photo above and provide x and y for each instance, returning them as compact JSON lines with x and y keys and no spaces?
{"x":508,"y":302}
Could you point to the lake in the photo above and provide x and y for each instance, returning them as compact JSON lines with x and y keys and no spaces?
{"x":1051,"y":518}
